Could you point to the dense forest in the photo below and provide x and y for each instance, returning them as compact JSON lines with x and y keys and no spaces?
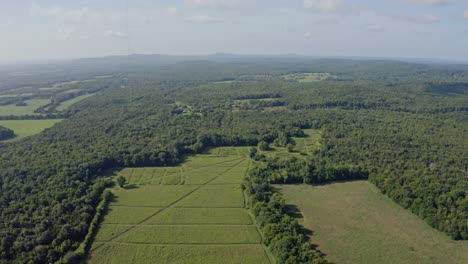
{"x":403,"y":126}
{"x":6,"y":133}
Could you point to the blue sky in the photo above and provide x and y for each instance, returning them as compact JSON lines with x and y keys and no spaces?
{"x":57,"y":29}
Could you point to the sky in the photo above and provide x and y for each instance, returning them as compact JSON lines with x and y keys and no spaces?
{"x":63,"y":29}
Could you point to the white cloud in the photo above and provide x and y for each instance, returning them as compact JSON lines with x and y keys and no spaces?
{"x":323,"y":6}
{"x":203,"y":19}
{"x":375,"y":28}
{"x":430,"y":2}
{"x":213,"y":4}
{"x":465,"y":14}
{"x":56,"y":12}
{"x":77,"y":16}
{"x":114,"y":34}
{"x":6,"y":24}
{"x":172,"y":11}
{"x":67,"y":33}
{"x":420,"y":19}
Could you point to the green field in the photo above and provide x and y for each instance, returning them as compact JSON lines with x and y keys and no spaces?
{"x":24,"y":128}
{"x":68,"y":103}
{"x":304,"y":146}
{"x":308,"y":77}
{"x":32,"y":105}
{"x":354,"y":223}
{"x":192,"y":213}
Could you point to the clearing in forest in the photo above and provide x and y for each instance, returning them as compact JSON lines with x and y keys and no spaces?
{"x":354,"y":223}
{"x":303,"y":147}
{"x":25,"y":128}
{"x":193,"y":213}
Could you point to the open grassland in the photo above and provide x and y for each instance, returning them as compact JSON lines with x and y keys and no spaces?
{"x":309,"y":143}
{"x":354,"y":223}
{"x":28,"y":109}
{"x":181,"y":254}
{"x":308,"y":77}
{"x":193,"y":234}
{"x":228,"y":216}
{"x":303,"y":146}
{"x":25,"y":128}
{"x":68,"y":103}
{"x":192,"y":213}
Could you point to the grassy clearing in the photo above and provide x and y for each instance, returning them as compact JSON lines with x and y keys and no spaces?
{"x":109,"y":231}
{"x":129,"y":215}
{"x":309,"y":143}
{"x":304,"y":146}
{"x":308,"y":77}
{"x":181,"y":254}
{"x":15,"y":95}
{"x":354,"y":223}
{"x":25,"y":128}
{"x":229,"y":151}
{"x":68,"y":103}
{"x":33,"y":104}
{"x":192,"y":213}
{"x":232,"y":216}
{"x":193,"y":234}
{"x":215,"y":196}
{"x":151,"y":195}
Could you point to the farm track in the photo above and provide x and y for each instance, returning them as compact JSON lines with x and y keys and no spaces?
{"x":148,"y":219}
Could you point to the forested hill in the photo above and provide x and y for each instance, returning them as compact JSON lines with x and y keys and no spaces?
{"x":405,"y":124}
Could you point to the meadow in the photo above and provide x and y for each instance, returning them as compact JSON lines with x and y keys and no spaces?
{"x":308,"y":77}
{"x":354,"y":223}
{"x":28,"y":109}
{"x":192,"y":213}
{"x":304,"y":146}
{"x":25,"y":128}
{"x":68,"y":103}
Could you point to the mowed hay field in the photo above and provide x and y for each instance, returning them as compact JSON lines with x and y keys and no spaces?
{"x":28,"y":109}
{"x":354,"y":223}
{"x":25,"y":128}
{"x":193,"y":213}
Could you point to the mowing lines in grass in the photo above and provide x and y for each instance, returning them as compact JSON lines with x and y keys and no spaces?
{"x":193,"y":234}
{"x":195,"y":216}
{"x":228,"y":216}
{"x":356,"y":217}
{"x":181,"y":254}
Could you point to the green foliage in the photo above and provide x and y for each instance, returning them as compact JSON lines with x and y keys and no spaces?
{"x":6,"y":133}
{"x":263,"y":146}
{"x":93,"y":227}
{"x":376,"y":117}
{"x":281,"y":233}
{"x":121,"y":181}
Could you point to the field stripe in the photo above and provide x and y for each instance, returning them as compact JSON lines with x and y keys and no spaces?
{"x":178,"y":244}
{"x":148,"y":219}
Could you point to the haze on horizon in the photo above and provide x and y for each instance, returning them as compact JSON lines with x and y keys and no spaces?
{"x":58,"y":29}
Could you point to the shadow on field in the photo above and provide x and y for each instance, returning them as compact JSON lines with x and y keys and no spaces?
{"x":131,"y":186}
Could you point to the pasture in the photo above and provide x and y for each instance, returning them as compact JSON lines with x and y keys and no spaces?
{"x":192,"y":213}
{"x":68,"y":103}
{"x":303,"y":146}
{"x":308,"y":77}
{"x":25,"y":128}
{"x":354,"y":223}
{"x":28,"y":109}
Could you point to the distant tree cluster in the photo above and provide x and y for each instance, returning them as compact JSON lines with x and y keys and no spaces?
{"x":282,"y":233}
{"x":6,"y":133}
